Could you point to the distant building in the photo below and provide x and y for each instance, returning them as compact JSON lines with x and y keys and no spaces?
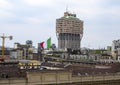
{"x":6,"y":51}
{"x":116,"y":49}
{"x":109,"y":48}
{"x":23,"y":51}
{"x":13,"y":54}
{"x":29,"y":43}
{"x":115,"y":45}
{"x":69,"y":31}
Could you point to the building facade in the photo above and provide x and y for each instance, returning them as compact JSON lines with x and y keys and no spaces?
{"x":23,"y":51}
{"x":116,"y":49}
{"x":69,"y":31}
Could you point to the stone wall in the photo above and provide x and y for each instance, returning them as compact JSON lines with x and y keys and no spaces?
{"x":61,"y":78}
{"x":13,"y":81}
{"x":49,"y":77}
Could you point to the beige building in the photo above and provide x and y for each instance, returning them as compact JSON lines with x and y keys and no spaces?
{"x":69,"y":31}
{"x":24,"y":51}
{"x":116,"y":49}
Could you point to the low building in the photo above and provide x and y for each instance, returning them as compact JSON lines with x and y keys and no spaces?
{"x":23,"y":51}
{"x":6,"y":51}
{"x":116,"y":49}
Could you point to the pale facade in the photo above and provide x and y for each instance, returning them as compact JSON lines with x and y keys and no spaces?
{"x":116,"y":49}
{"x":24,"y":51}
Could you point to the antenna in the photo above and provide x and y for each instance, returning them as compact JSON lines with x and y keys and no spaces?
{"x":66,"y":8}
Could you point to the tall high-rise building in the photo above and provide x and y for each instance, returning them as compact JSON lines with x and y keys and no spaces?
{"x":69,"y":31}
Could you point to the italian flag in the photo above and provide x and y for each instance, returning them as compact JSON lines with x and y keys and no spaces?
{"x":46,"y":44}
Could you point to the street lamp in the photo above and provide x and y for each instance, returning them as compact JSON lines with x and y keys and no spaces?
{"x":3,"y":41}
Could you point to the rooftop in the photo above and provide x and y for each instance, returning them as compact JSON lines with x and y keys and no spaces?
{"x":70,"y":17}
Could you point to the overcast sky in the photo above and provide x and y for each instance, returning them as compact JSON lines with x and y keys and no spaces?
{"x":36,"y":20}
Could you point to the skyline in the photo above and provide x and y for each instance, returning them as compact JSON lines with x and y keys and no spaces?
{"x":36,"y":20}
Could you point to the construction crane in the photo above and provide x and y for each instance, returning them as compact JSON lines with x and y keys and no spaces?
{"x":3,"y":42}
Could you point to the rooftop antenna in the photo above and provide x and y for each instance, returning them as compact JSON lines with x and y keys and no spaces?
{"x":66,"y":8}
{"x":74,"y":11}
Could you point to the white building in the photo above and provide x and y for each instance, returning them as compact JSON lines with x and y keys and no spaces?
{"x":116,"y":49}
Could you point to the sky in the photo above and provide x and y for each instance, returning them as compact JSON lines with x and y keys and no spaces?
{"x":36,"y":20}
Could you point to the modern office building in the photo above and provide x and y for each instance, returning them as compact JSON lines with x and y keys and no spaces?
{"x":69,"y":31}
